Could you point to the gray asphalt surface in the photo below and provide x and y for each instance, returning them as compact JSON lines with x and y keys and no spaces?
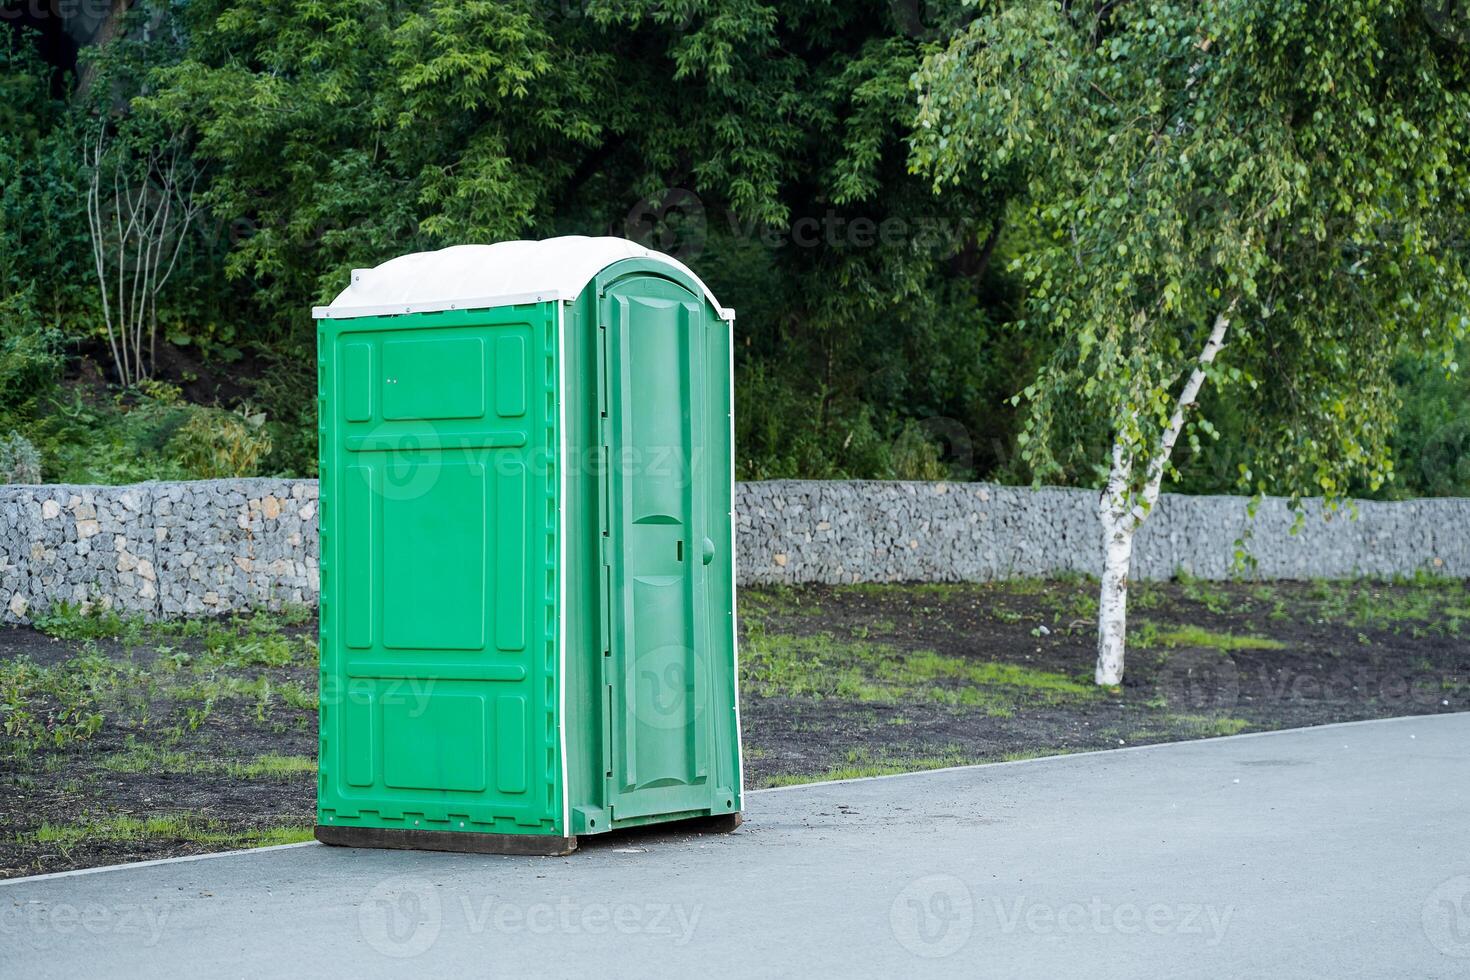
{"x":1340,"y":851}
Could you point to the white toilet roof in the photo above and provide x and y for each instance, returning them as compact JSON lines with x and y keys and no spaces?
{"x":466,"y":277}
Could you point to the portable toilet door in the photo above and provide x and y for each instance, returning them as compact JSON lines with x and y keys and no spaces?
{"x":528,"y":570}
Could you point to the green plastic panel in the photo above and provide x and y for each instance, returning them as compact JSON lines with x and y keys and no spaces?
{"x":665,"y":513}
{"x":439,"y":572}
{"x":657,"y":415}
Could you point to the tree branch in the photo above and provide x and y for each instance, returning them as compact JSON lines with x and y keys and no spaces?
{"x":1160,"y":461}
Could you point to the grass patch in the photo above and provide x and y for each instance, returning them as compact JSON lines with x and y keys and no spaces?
{"x":140,"y":757}
{"x":147,"y":758}
{"x":261,"y":690}
{"x":275,"y":836}
{"x":1149,"y":635}
{"x":912,"y":590}
{"x":864,"y":765}
{"x":820,"y":666}
{"x":1024,"y":755}
{"x":755,"y":604}
{"x":1205,"y":725}
{"x":183,"y":828}
{"x":272,"y":766}
{"x":1176,"y":726}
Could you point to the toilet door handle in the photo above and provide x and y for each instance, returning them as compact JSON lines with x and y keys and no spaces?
{"x":709,"y":551}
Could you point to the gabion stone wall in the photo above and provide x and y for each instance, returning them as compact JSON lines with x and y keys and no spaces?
{"x":835,"y":532}
{"x":166,"y":549}
{"x":160,"y":549}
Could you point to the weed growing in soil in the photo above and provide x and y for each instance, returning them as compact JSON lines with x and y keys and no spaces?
{"x":68,"y":621}
{"x":193,"y":663}
{"x":51,"y":706}
{"x":1144,"y":595}
{"x":1213,"y":598}
{"x":1435,"y":606}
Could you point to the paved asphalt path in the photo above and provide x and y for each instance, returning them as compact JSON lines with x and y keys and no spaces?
{"x":1331,"y":852}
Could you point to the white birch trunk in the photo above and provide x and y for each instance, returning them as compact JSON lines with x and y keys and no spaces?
{"x":1118,"y":525}
{"x":1122,"y":513}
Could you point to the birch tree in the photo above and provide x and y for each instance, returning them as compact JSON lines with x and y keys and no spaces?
{"x":1263,"y":196}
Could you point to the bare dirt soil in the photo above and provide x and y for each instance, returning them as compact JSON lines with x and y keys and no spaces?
{"x":123,"y":741}
{"x":1205,"y":660}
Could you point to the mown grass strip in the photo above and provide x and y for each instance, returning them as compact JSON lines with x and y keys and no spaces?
{"x":175,"y":828}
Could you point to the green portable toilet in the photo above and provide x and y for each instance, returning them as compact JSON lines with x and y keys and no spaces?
{"x":527,"y":551}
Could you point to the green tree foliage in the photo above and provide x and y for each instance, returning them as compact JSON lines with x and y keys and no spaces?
{"x":766,"y":145}
{"x":767,"y":148}
{"x":1281,"y":182}
{"x":43,"y":244}
{"x":1303,"y":164}
{"x":1432,"y":437}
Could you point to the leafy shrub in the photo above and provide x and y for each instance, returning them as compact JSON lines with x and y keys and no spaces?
{"x":215,"y":443}
{"x":108,"y":440}
{"x":30,"y":352}
{"x":286,"y":392}
{"x":19,"y":461}
{"x":915,"y":456}
{"x":788,"y":430}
